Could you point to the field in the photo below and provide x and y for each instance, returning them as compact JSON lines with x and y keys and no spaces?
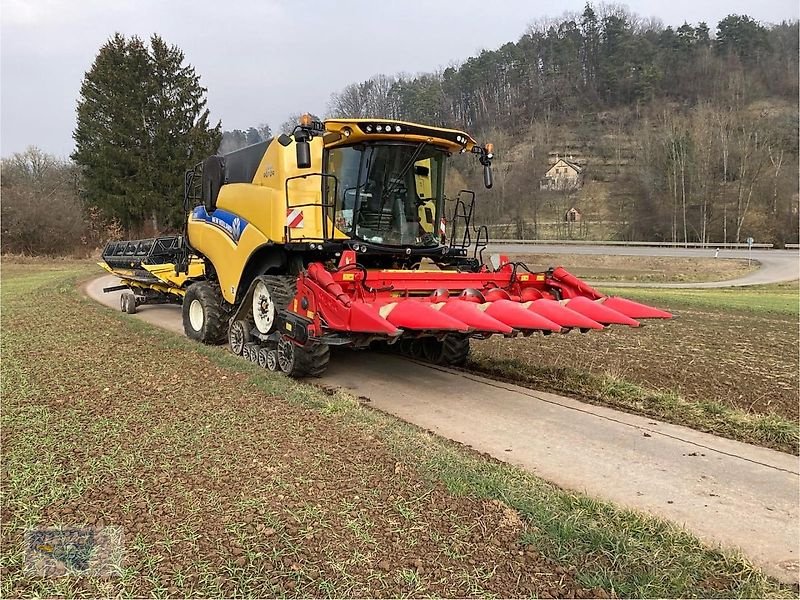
{"x":229,"y":481}
{"x":727,"y":364}
{"x":644,"y":269}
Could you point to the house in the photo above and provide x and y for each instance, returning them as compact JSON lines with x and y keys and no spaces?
{"x":563,"y":175}
{"x":573,"y":215}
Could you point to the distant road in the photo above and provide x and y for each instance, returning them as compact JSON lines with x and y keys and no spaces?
{"x":776,"y":265}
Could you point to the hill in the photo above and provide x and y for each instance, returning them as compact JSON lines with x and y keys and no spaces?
{"x":680,"y":134}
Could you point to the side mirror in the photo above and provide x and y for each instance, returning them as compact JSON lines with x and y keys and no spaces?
{"x":303,"y":154}
{"x":487,"y":176}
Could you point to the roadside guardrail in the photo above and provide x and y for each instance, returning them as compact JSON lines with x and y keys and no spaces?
{"x":728,"y":245}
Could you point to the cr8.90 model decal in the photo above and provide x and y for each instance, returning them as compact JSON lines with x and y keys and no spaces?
{"x":230,"y":223}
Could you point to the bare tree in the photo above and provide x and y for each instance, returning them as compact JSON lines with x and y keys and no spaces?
{"x":752,"y":147}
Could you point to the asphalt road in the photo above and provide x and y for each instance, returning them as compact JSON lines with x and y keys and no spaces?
{"x":776,"y":265}
{"x":726,"y":492}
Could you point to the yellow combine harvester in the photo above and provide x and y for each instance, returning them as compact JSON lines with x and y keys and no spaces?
{"x":340,"y":235}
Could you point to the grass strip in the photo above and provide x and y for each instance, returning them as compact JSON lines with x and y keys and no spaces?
{"x":777,"y":299}
{"x":771,"y":431}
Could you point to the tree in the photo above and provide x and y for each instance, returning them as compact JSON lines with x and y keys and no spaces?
{"x":41,"y":213}
{"x":236,"y":139}
{"x":142,"y":121}
{"x":742,"y":36}
{"x":232,"y":140}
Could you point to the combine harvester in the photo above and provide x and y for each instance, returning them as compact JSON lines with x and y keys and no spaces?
{"x":337,"y":236}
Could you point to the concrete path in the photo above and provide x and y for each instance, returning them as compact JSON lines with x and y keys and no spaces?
{"x":726,"y":492}
{"x":776,"y":265}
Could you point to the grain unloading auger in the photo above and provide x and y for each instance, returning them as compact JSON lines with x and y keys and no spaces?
{"x":284,"y":261}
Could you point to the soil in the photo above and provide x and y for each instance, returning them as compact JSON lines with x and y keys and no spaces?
{"x":744,"y":360}
{"x":650,"y":269}
{"x":222,"y":490}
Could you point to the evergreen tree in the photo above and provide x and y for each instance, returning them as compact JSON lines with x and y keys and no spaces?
{"x":742,"y":36}
{"x":253,"y":136}
{"x":141,"y":123}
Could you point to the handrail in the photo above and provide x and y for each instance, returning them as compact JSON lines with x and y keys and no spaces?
{"x":321,"y":204}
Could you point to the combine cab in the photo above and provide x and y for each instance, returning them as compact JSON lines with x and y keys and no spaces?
{"x":340,"y":235}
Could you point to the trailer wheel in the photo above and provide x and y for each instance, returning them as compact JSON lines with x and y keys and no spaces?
{"x":453,"y":351}
{"x":239,"y":335}
{"x":131,"y":304}
{"x":299,"y":361}
{"x":203,"y":316}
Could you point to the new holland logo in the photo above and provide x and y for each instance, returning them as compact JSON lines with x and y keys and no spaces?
{"x":294,"y":218}
{"x":231,"y":224}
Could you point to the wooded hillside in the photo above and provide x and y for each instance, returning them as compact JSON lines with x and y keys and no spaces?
{"x":681,"y":133}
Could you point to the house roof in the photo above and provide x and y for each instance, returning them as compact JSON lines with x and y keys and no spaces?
{"x":568,"y":163}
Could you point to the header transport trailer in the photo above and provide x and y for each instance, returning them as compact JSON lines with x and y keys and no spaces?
{"x":337,"y":235}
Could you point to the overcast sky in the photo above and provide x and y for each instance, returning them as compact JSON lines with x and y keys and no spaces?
{"x":264,"y":59}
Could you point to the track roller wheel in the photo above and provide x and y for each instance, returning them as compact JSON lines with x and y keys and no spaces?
{"x":271,"y":293}
{"x":251,"y":352}
{"x":127,"y":303}
{"x":404,"y":347}
{"x":262,"y":357}
{"x":272,"y":360}
{"x":417,"y":349}
{"x":239,"y":335}
{"x":204,"y":319}
{"x":451,"y":351}
{"x":299,"y":361}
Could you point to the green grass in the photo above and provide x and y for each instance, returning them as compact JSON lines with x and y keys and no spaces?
{"x":626,"y":553}
{"x":772,"y":431}
{"x":780,"y":299}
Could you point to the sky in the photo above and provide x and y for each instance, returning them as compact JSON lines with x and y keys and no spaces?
{"x":262,"y":60}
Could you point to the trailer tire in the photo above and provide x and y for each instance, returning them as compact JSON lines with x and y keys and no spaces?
{"x":131,"y":304}
{"x":301,"y":361}
{"x":204,"y":319}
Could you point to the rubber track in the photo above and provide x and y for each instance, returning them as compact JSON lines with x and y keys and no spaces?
{"x":312,"y":361}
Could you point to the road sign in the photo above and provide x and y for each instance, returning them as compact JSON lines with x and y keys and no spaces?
{"x":750,"y":242}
